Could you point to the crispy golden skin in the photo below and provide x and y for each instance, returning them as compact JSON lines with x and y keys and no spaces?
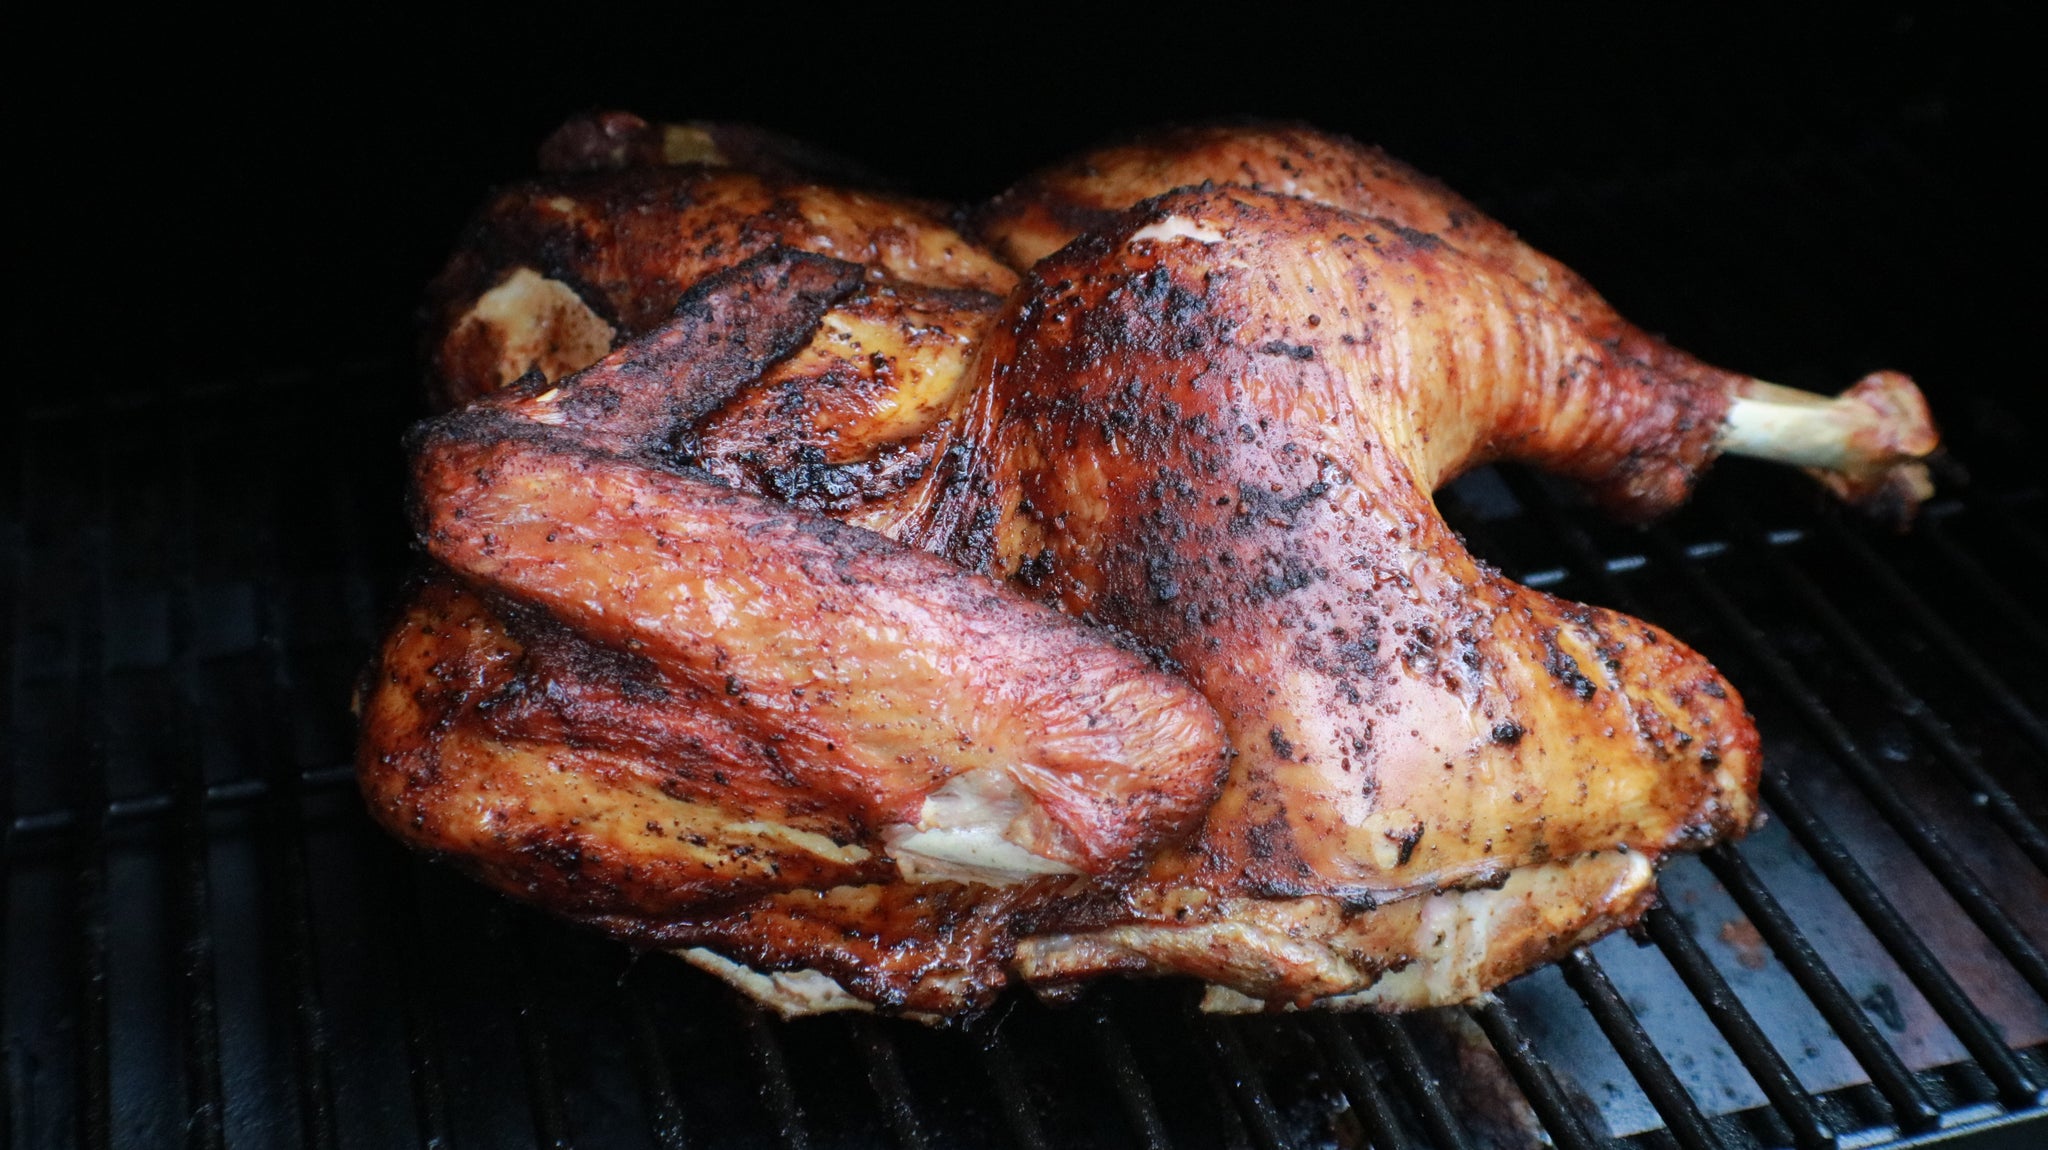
{"x":554,"y":274}
{"x":1216,"y":426}
{"x":692,"y":714}
{"x":1865,"y":446}
{"x":587,"y":782}
{"x":556,"y":271}
{"x":661,"y":691}
{"x":1047,"y":209}
{"x":1430,"y":950}
{"x":850,"y":423}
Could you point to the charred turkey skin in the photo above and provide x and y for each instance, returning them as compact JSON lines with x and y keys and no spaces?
{"x":1215,"y":426}
{"x":878,"y":624}
{"x":688,"y":713}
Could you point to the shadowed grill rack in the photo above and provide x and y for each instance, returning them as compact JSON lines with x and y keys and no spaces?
{"x":205,"y":942}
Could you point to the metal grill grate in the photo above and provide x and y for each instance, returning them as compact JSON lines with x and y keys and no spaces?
{"x":205,"y":942}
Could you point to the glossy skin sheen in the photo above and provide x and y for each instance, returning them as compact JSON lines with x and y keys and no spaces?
{"x":1216,"y":426}
{"x":784,"y":703}
{"x":1046,"y":210}
{"x":658,"y":690}
{"x":849,"y":424}
{"x":842,"y":426}
{"x":556,"y":271}
{"x":1258,"y":953}
{"x":1049,"y":209}
{"x":568,"y":776}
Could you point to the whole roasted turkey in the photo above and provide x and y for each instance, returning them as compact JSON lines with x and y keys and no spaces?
{"x":877,"y":612}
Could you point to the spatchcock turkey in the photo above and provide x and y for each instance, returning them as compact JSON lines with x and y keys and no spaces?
{"x":877,"y":610}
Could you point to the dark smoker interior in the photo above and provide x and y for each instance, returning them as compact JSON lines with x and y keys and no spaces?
{"x":223,"y":235}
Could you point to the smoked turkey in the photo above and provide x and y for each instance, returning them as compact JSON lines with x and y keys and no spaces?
{"x":877,"y":621}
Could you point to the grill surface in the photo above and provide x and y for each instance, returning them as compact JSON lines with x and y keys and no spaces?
{"x":206,"y":942}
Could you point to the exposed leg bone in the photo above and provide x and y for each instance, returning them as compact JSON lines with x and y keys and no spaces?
{"x":1865,"y":445}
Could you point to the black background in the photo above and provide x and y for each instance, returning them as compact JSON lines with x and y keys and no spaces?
{"x":233,"y":199}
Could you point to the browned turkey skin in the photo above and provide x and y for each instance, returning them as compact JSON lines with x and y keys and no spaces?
{"x":691,"y":713}
{"x":1046,"y":210}
{"x":656,"y":688}
{"x":1864,"y":445}
{"x":1215,"y":425}
{"x":555,"y":272}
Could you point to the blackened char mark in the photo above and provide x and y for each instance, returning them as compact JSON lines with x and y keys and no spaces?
{"x":647,"y":397}
{"x":1564,"y":668}
{"x":1405,"y":841}
{"x":1290,"y":350}
{"x":1426,"y":241}
{"x":1281,"y":745}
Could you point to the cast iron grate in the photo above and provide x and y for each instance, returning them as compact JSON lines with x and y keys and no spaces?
{"x":205,"y":942}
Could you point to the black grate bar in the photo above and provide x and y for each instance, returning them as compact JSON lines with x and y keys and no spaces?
{"x":2016,"y":1087}
{"x":2028,"y":539}
{"x":1911,"y":1107}
{"x":2009,"y":608}
{"x":1006,"y":1078}
{"x":543,"y":1088}
{"x":665,"y":1120}
{"x":1390,"y":1037}
{"x":778,"y":1094}
{"x":13,"y":572}
{"x":1131,"y":1088}
{"x":1261,"y":1117}
{"x":1681,"y":1115}
{"x":1996,"y":801}
{"x":406,"y":923}
{"x":94,"y":1054}
{"x":1229,"y":1125}
{"x":1942,"y":635}
{"x":205,"y":1107}
{"x":1733,"y":1020}
{"x":1555,"y":1111}
{"x":29,"y":831}
{"x":886,"y":1079}
{"x":536,"y":1053}
{"x":285,"y":847}
{"x":1374,"y":1109}
{"x":1940,"y":859}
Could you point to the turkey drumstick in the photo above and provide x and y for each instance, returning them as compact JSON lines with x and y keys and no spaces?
{"x":556,"y":271}
{"x":1864,"y":445}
